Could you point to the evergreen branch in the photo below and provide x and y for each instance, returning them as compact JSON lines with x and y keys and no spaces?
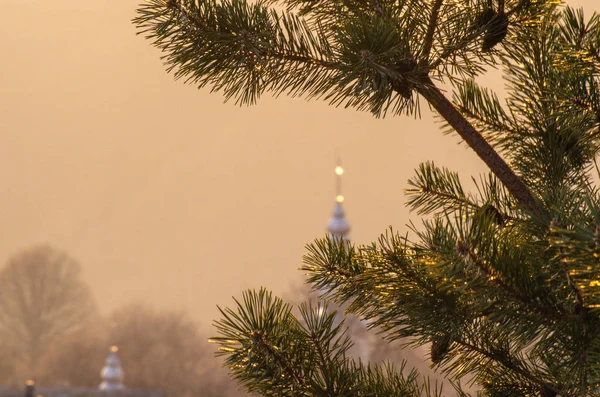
{"x":486,"y":277}
{"x":511,"y":366}
{"x":433,"y":188}
{"x":261,"y":52}
{"x":483,"y":149}
{"x":460,"y":45}
{"x":252,"y":333}
{"x":292,"y":367}
{"x":396,"y":255}
{"x":572,"y":284}
{"x":496,"y":277}
{"x":495,"y":124}
{"x":330,"y":261}
{"x":240,"y":48}
{"x":485,"y":109}
{"x":327,"y":337}
{"x":467,"y":40}
{"x":431,"y":26}
{"x":258,"y":338}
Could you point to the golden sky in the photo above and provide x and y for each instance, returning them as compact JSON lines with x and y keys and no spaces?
{"x":161,"y":191}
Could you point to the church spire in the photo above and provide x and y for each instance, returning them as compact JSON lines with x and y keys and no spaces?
{"x":112,"y":373}
{"x":338,"y":227}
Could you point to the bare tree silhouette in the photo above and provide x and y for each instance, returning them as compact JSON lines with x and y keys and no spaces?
{"x":42,"y":301}
{"x":164,"y":350}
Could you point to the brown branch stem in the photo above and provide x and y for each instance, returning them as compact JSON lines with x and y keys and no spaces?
{"x":433,"y":19}
{"x":478,"y":143}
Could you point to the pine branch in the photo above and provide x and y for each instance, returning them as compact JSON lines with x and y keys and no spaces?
{"x":512,"y":367}
{"x":363,"y":63}
{"x":434,"y":188}
{"x":484,"y":108}
{"x":293,"y":373}
{"x":483,"y":149}
{"x":494,"y":293}
{"x":262,"y":52}
{"x":307,"y":360}
{"x":497,"y":278}
{"x":573,"y":285}
{"x":431,"y":26}
{"x":468,"y":39}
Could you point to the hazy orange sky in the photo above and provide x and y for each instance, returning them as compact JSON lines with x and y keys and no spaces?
{"x":161,"y":191}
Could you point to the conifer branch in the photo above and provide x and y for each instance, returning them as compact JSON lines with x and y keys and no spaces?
{"x":483,"y":149}
{"x":322,"y":357}
{"x":448,"y":197}
{"x":504,"y":301}
{"x":467,"y":40}
{"x":496,"y":277}
{"x":508,"y":364}
{"x":433,"y":23}
{"x":258,"y":338}
{"x":495,"y":125}
{"x":574,"y":287}
{"x":409,"y":271}
{"x":261,"y":52}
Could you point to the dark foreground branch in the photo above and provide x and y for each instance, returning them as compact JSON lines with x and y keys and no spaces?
{"x":483,"y":149}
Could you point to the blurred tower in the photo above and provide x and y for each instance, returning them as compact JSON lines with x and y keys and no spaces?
{"x":112,"y":373}
{"x":338,"y":227}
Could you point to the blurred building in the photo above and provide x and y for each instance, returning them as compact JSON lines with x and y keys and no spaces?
{"x":338,"y":228}
{"x":111,"y":385}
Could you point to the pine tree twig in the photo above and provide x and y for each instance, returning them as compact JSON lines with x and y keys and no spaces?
{"x":302,"y":59}
{"x":458,"y":200}
{"x":379,"y":8}
{"x":573,"y":285}
{"x":466,"y":40}
{"x":433,"y":19}
{"x":258,"y":338}
{"x":495,"y":277}
{"x":583,"y":104}
{"x":511,"y":366}
{"x":483,"y":149}
{"x":498,"y":126}
{"x":447,"y":196}
{"x":408,"y":270}
{"x":322,"y":356}
{"x":174,"y":4}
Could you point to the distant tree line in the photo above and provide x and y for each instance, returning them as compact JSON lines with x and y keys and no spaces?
{"x":51,"y":330}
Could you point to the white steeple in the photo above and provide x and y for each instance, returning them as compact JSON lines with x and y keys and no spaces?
{"x":112,"y":373}
{"x":338,"y":227}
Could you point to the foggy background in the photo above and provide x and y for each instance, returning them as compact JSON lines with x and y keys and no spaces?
{"x":161,"y":192}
